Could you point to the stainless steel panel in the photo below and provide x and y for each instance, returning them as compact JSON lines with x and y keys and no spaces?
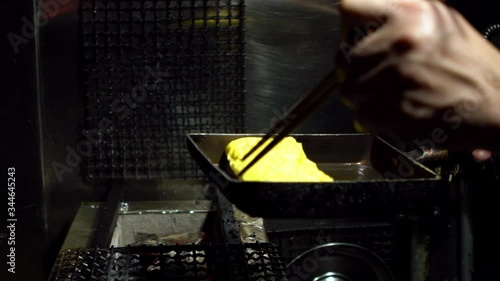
{"x":290,"y":47}
{"x":289,"y":44}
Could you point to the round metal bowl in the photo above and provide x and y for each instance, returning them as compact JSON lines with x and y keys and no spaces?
{"x":338,"y":262}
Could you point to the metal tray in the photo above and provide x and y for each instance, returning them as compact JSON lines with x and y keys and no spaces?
{"x":370,"y":176}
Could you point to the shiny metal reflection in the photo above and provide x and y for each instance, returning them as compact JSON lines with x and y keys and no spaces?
{"x":338,"y":262}
{"x":332,"y":276}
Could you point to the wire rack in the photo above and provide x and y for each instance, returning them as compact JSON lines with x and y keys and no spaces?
{"x":154,"y":71}
{"x":259,"y":262}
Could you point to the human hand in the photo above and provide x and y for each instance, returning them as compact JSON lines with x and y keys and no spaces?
{"x":420,"y":70}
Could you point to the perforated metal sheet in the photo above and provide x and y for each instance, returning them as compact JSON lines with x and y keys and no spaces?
{"x":154,"y":70}
{"x":259,"y":262}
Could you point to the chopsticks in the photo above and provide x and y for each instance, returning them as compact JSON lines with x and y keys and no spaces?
{"x":295,"y":116}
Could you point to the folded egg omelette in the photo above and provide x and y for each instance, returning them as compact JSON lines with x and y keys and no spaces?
{"x":286,"y":162}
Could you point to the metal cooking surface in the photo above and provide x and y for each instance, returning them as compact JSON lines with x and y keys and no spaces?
{"x":235,"y":262}
{"x":381,"y":179}
{"x":350,"y":171}
{"x":154,"y":70}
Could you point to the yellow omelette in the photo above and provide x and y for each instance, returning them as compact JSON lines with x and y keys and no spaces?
{"x":286,"y":162}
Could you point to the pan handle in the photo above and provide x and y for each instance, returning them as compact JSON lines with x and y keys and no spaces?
{"x":426,"y":154}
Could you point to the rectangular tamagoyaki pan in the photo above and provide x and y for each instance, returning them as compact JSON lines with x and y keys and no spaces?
{"x":370,"y":177}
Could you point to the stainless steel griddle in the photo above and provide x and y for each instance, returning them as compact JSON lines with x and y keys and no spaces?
{"x":370,"y":176}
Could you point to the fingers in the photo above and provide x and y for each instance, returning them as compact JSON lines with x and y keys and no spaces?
{"x":481,"y":155}
{"x":411,"y":25}
{"x":399,"y":24}
{"x":361,"y":17}
{"x":359,"y":11}
{"x":371,"y":62}
{"x":411,"y":61}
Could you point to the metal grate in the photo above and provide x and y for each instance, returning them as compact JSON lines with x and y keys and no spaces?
{"x":196,"y":262}
{"x":379,"y":239}
{"x":153,"y":71}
